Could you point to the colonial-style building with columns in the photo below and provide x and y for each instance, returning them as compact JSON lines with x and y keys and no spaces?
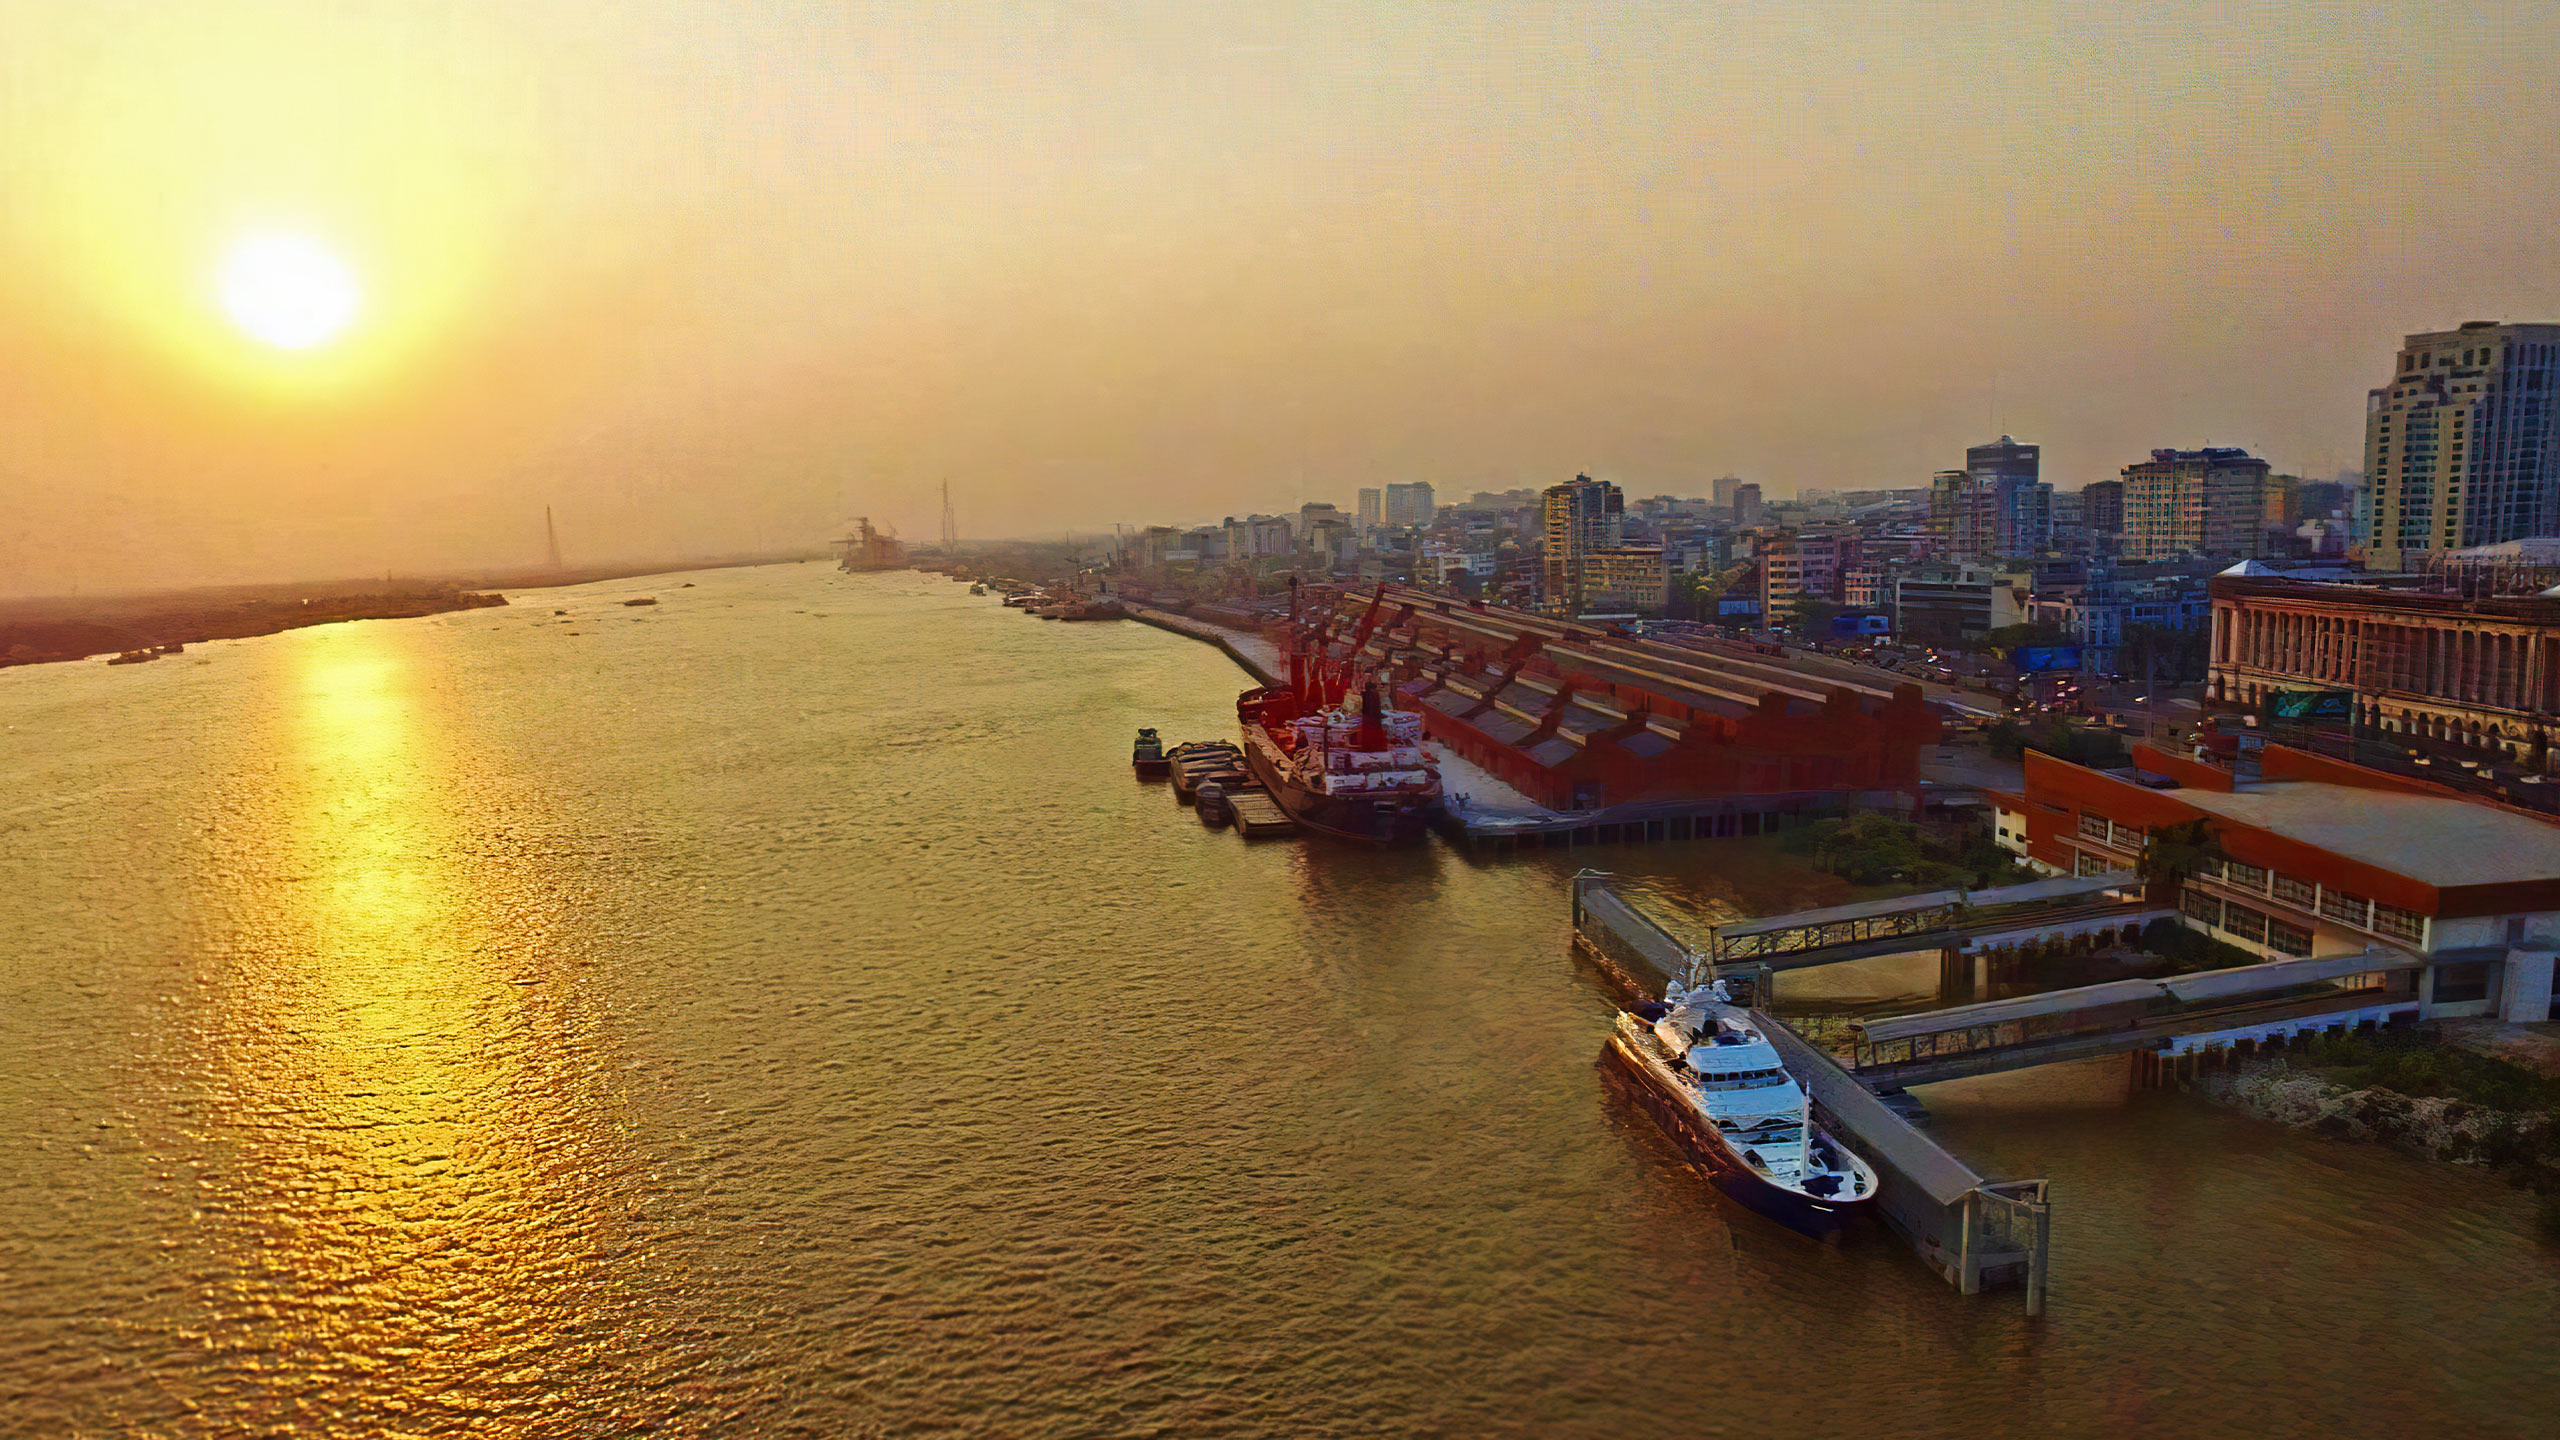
{"x":2479,"y":672}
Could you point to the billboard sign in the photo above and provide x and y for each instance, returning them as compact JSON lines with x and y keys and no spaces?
{"x":2311,"y":705}
{"x":2038,"y":659}
{"x":1737,"y":607}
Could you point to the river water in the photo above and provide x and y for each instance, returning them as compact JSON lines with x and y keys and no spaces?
{"x":777,"y":1011}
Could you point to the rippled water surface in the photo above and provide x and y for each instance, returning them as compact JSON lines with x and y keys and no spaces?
{"x":779,"y":1012}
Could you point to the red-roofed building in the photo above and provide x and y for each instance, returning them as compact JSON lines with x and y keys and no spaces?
{"x":2314,"y":856}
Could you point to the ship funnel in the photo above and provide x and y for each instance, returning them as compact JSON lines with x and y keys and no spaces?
{"x":1373,"y":717}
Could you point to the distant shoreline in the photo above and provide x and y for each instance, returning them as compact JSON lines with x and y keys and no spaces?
{"x":62,"y":629}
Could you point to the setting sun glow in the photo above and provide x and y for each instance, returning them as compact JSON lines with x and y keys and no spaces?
{"x":288,"y":291}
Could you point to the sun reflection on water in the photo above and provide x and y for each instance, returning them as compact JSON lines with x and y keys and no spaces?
{"x":406,"y":1128}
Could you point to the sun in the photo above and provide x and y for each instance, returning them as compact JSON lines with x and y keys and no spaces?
{"x":288,"y":290}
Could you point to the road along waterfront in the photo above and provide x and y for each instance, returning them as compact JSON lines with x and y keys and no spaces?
{"x":779,"y":1011}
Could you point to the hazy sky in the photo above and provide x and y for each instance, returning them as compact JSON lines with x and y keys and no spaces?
{"x":716,"y":276}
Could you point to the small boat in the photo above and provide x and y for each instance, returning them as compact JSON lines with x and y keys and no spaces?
{"x":1700,"y":1066}
{"x":1148,"y":757}
{"x":133,"y":657}
{"x":1212,"y":798}
{"x":977,"y":589}
{"x":643,"y":600}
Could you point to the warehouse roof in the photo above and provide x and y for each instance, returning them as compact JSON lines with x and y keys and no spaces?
{"x":2439,"y":840}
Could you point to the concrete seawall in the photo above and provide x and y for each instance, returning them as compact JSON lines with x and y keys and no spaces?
{"x":1260,"y":658}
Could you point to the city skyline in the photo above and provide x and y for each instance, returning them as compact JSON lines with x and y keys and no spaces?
{"x":721,"y":284}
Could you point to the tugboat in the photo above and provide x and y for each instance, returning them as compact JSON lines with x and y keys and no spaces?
{"x":1147,"y":757}
{"x":1700,"y":1066}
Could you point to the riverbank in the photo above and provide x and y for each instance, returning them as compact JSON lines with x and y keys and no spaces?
{"x":63,"y":628}
{"x":2424,"y":1095}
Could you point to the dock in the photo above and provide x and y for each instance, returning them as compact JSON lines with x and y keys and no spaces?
{"x":1488,"y":815}
{"x":1978,"y":1233}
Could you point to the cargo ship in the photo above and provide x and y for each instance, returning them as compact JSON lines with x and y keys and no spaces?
{"x":1357,"y":775}
{"x":1354,"y":774}
{"x":1714,"y":1083}
{"x":866,"y":550}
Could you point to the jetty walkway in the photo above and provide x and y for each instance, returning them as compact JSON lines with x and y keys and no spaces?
{"x":2170,"y":1026}
{"x":1977,"y":1232}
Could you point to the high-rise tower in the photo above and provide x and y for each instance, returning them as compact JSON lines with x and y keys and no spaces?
{"x":1582,"y":515}
{"x":2464,"y":443}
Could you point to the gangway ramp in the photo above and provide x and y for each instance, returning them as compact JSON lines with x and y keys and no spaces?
{"x":2246,"y":1002}
{"x":1926,"y":921}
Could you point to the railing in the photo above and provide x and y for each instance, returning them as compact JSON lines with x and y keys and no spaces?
{"x":1822,"y":935}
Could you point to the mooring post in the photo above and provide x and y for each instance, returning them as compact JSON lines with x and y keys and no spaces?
{"x":2036,"y":1253}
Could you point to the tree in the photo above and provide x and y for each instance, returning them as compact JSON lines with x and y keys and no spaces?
{"x":1812,"y":618}
{"x":2175,"y":656}
{"x":2009,"y":638}
{"x":2171,"y":854}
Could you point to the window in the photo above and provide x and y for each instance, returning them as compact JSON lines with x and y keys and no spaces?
{"x":2456,"y":984}
{"x":2287,"y":939}
{"x":2245,"y":923}
{"x":2399,"y":924}
{"x":2093,"y":826}
{"x":2247,"y":877}
{"x":2201,"y":906}
{"x":2299,"y":893}
{"x":2210,"y":867}
{"x":2088,"y":864}
{"x":2346,"y":909}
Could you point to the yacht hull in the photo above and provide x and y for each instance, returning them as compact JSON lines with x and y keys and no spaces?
{"x":1659,"y":1097}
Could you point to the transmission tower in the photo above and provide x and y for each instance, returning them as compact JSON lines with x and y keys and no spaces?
{"x":551,"y":538}
{"x":950,"y":522}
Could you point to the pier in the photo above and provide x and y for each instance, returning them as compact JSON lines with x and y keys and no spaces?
{"x":1976,"y":1232}
{"x":1980,"y":1232}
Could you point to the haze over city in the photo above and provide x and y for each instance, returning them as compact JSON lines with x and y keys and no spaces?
{"x":716,"y":279}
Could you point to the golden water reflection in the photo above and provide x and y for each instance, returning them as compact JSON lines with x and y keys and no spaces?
{"x":406,"y":1125}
